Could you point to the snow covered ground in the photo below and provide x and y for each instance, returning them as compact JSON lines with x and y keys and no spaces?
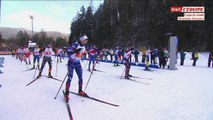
{"x":183,"y":94}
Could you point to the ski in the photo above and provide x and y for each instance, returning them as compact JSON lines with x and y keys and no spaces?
{"x":95,"y":99}
{"x":99,"y":71}
{"x":28,"y":69}
{"x":141,"y":77}
{"x":68,"y":107}
{"x":90,"y":71}
{"x":53,"y":78}
{"x":33,"y":81}
{"x":135,"y":81}
{"x":149,"y":70}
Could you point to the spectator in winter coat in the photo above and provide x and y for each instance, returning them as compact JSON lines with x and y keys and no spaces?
{"x":143,"y":51}
{"x":116,"y":56}
{"x":195,"y":57}
{"x":136,"y":53}
{"x":161,"y":58}
{"x":152,"y":57}
{"x":111,"y":54}
{"x":147,"y":60}
{"x":165,"y":56}
{"x":210,"y":59}
{"x":182,"y":57}
{"x":105,"y":54}
{"x":156,"y":55}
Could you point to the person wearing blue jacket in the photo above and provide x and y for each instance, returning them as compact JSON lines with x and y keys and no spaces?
{"x":75,"y":53}
{"x":182,"y":57}
{"x":210,"y":59}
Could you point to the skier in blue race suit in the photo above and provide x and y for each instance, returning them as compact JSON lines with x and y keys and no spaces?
{"x":75,"y":53}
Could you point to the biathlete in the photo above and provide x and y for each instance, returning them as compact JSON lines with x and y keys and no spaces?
{"x":75,"y":53}
{"x":36,"y":56}
{"x":93,"y":52}
{"x":47,"y":58}
{"x":126,"y":58}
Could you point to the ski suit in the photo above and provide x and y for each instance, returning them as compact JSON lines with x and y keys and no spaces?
{"x":127,"y":54}
{"x":92,"y":57}
{"x":36,"y":56}
{"x":47,"y":58}
{"x":75,"y":53}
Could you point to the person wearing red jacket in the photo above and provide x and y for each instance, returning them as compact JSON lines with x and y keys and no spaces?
{"x":27,"y":55}
{"x":92,"y":56}
{"x":127,"y":54}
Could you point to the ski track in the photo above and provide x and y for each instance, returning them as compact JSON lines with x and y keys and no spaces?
{"x":183,"y":94}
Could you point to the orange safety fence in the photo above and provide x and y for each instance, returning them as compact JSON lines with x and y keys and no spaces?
{"x":5,"y":52}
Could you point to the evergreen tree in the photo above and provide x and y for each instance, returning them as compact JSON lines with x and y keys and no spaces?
{"x":146,"y":23}
{"x":22,"y":38}
{"x":60,"y":42}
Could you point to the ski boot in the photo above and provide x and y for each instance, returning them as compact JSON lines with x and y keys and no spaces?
{"x":82,"y":93}
{"x":129,"y":75}
{"x":50,"y":76}
{"x":39,"y":75}
{"x":126,"y":77}
{"x":33,"y":67}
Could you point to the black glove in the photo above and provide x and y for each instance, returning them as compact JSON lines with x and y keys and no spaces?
{"x":77,"y":50}
{"x":131,"y":48}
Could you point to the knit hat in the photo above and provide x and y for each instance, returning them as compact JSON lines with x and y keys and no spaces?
{"x":84,"y":37}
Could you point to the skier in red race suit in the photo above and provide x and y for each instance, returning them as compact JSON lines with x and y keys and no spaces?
{"x":127,"y":54}
{"x":26,"y":54}
{"x":93,"y":52}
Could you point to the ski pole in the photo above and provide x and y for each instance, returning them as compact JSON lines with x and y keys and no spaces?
{"x":35,"y":72}
{"x":61,"y":85}
{"x":56,"y":69}
{"x":26,"y":62}
{"x":97,"y":65}
{"x":122,"y":73}
{"x":89,"y":79}
{"x":86,"y":65}
{"x":27,"y":66}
